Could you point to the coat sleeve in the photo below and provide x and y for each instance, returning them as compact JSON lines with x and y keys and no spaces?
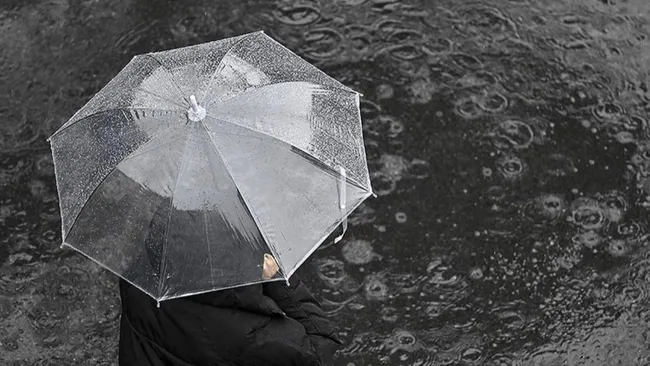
{"x":298,"y":303}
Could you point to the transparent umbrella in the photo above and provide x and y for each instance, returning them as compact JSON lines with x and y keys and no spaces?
{"x":191,"y":164}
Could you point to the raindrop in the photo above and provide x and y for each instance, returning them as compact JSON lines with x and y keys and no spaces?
{"x":471,"y":355}
{"x":395,"y":127}
{"x":403,"y":52}
{"x":405,"y":36}
{"x":352,"y":2}
{"x":405,"y":338}
{"x":633,"y":294}
{"x":618,"y":248}
{"x":389,"y":314}
{"x":625,"y":137}
{"x":495,"y":193}
{"x":630,"y":229}
{"x":510,"y":167}
{"x":589,"y":239}
{"x":322,"y":43}
{"x":512,"y":134}
{"x":635,"y":123}
{"x":503,"y":360}
{"x":383,"y":184}
{"x":45,"y":165}
{"x":46,"y":317}
{"x":558,"y":165}
{"x":586,"y":213}
{"x":385,"y":6}
{"x":487,"y":172}
{"x":476,"y":273}
{"x":358,"y":252}
{"x":493,"y":102}
{"x":607,"y":111}
{"x":331,"y":271}
{"x":386,"y":25}
{"x":393,"y":165}
{"x":443,"y":276}
{"x":406,"y":283}
{"x":614,"y":205}
{"x":546,"y":207}
{"x":38,"y":189}
{"x":6,"y":308}
{"x":572,"y":19}
{"x":466,"y":61}
{"x":8,"y":285}
{"x":369,"y":110}
{"x":376,"y":289}
{"x":10,"y":344}
{"x":297,"y":15}
{"x":418,"y":169}
{"x":435,"y":309}
{"x":384,"y":91}
{"x":437,"y":46}
{"x":467,"y":108}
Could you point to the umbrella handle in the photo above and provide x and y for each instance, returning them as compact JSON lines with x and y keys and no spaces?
{"x":342,"y":201}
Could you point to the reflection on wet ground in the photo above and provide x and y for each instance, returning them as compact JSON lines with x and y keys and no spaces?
{"x":508,"y":143}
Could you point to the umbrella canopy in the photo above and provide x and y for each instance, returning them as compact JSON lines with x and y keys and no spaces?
{"x":191,"y":164}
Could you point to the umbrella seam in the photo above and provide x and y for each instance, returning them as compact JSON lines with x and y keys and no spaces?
{"x":171,"y":75}
{"x":213,"y":101}
{"x":122,"y":109}
{"x":169,"y":216}
{"x":207,"y":240}
{"x":342,"y":86}
{"x":351,"y":179}
{"x":245,"y":200}
{"x":216,"y":69}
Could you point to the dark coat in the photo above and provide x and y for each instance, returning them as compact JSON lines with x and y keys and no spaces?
{"x":269,"y":324}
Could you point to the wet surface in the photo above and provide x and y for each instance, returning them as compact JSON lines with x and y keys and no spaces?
{"x":508,"y":143}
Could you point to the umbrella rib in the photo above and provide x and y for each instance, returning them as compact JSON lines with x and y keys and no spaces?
{"x":169,"y":216}
{"x":351,"y":179}
{"x":207,"y":240}
{"x":171,"y":76}
{"x":234,"y":97}
{"x":123,"y":109}
{"x":244,"y":199}
{"x":131,"y":155}
{"x":328,"y":232}
{"x":216,"y":70}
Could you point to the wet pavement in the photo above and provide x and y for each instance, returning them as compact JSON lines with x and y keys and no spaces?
{"x":508,"y":143}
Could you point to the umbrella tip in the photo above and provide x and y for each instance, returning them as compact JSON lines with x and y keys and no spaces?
{"x":195,"y":105}
{"x":196,"y":112}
